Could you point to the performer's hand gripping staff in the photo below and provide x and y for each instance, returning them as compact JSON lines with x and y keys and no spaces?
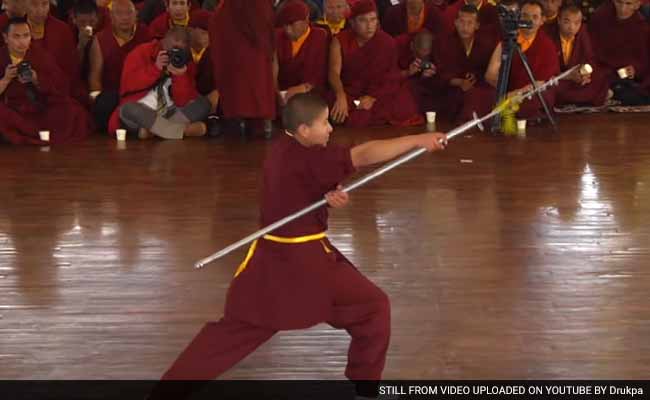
{"x":507,"y":104}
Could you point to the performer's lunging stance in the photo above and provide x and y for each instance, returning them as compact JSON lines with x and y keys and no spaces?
{"x":295,"y":278}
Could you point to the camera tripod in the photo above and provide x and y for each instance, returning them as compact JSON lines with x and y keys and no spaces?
{"x":509,"y":46}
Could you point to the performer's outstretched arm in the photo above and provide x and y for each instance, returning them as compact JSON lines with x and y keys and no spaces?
{"x":378,"y":151}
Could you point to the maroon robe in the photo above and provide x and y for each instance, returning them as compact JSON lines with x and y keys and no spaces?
{"x":61,"y":45}
{"x":294,"y":177}
{"x":204,"y":77}
{"x":619,"y":43}
{"x":245,"y":81}
{"x":372,"y":70}
{"x":103,"y":20}
{"x":542,"y":58}
{"x":427,"y":91}
{"x":569,"y":92}
{"x":159,"y":26}
{"x":455,"y":63}
{"x":4,"y":20}
{"x":488,"y":18}
{"x":308,"y":66}
{"x":395,"y":21}
{"x":113,"y":55}
{"x":21,"y":119}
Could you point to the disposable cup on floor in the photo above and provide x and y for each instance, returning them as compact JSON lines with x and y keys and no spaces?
{"x":431,"y":117}
{"x":45,"y":135}
{"x":521,"y":126}
{"x":622,"y":73}
{"x":120,"y":134}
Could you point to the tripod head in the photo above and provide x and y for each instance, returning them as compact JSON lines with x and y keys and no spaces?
{"x":511,"y":21}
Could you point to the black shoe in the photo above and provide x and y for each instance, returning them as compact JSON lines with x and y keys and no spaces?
{"x":214,"y":126}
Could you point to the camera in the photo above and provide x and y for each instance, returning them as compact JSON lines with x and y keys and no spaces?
{"x":178,"y":57}
{"x":511,"y":21}
{"x":426,"y":65}
{"x":24,"y":70}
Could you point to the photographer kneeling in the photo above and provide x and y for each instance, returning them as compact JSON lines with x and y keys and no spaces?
{"x":158,"y":92}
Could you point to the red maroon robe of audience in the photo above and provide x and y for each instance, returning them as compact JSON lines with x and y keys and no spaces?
{"x":21,"y":119}
{"x":569,"y":92}
{"x":242,"y":45}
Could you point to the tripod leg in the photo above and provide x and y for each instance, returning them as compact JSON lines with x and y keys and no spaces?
{"x":507,"y":51}
{"x":524,"y":61}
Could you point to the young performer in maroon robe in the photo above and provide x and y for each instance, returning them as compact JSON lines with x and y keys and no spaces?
{"x":488,"y":17}
{"x":38,"y":100}
{"x":56,"y":37}
{"x":364,"y":76}
{"x":178,"y":13}
{"x":620,"y":38}
{"x":246,"y":82}
{"x":411,"y":16}
{"x":312,"y":282}
{"x":574,"y":48}
{"x":302,"y":51}
{"x":465,"y":55}
{"x":335,"y":13}
{"x":107,"y":54}
{"x":542,"y":58}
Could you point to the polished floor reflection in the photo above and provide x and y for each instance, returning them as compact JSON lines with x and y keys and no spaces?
{"x":519,"y":257}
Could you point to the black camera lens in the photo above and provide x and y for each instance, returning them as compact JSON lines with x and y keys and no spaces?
{"x":179,"y":57}
{"x":24,"y":71}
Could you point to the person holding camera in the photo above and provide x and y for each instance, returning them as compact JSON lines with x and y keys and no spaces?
{"x":158,"y":91}
{"x":30,"y":103}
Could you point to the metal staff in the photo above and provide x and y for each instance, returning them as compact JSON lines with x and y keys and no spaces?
{"x":476,"y":122}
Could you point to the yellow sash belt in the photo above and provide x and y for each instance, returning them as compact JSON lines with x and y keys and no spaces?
{"x":279,"y":239}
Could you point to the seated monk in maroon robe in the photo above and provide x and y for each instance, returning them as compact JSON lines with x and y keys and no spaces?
{"x":364,"y":75}
{"x":34,"y":94}
{"x":246,"y":81}
{"x":57,"y":38}
{"x":107,"y":54}
{"x":620,"y":39}
{"x":177,"y":14}
{"x":465,"y":55}
{"x":488,"y":18}
{"x":85,"y":21}
{"x":418,"y":64}
{"x":334,"y":16}
{"x":411,"y":16}
{"x":541,"y":55}
{"x":302,"y":52}
{"x":13,"y":8}
{"x":574,"y":48}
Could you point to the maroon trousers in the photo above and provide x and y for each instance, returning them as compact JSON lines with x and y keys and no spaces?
{"x":360,"y":307}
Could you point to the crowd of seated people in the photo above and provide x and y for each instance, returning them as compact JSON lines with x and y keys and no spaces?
{"x":179,"y":68}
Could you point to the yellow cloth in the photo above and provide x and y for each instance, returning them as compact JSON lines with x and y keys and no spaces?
{"x":567,"y":48}
{"x":38,"y":32}
{"x":416,"y":23}
{"x":122,"y":41}
{"x":110,"y":5}
{"x":297,"y":45}
{"x":524,"y":42}
{"x":197,"y":55}
{"x":15,"y":60}
{"x":479,"y":5}
{"x":184,"y":22}
{"x":284,"y":240}
{"x":335,"y":27}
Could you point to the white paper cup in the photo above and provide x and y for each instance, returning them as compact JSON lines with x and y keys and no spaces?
{"x":622,"y":73}
{"x":586,"y":69}
{"x":93,"y":95}
{"x":89,"y":30}
{"x":431,"y":117}
{"x":120,"y":134}
{"x":45,"y":135}
{"x":357,"y":103}
{"x":521,"y":125}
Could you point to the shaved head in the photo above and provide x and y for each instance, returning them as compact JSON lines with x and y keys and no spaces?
{"x":123,"y":16}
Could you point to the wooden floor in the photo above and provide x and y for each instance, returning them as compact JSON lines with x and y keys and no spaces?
{"x":530,"y":261}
